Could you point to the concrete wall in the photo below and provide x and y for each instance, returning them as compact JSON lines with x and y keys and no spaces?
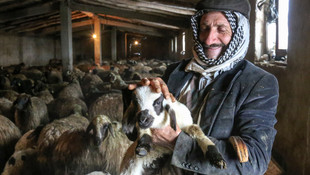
{"x":33,"y":51}
{"x":83,"y":49}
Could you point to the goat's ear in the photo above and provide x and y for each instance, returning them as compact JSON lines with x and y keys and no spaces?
{"x":171,"y":113}
{"x":127,"y":95}
{"x":129,"y":123}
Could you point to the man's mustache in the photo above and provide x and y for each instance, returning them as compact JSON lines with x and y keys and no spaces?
{"x":206,"y":46}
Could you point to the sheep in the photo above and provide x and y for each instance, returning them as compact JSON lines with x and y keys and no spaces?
{"x":9,"y":135}
{"x":23,"y":86}
{"x":46,"y":96}
{"x":34,"y":73}
{"x":50,"y":133}
{"x":116,"y":81}
{"x":72,"y":90}
{"x":5,"y":108}
{"x":29,"y":112}
{"x":91,"y":83}
{"x":54,"y":76}
{"x":9,"y":94}
{"x":29,"y":139}
{"x":93,"y":150}
{"x":4,"y":82}
{"x":151,"y":110}
{"x":63,"y":107}
{"x":109,"y":104}
{"x":22,"y":162}
{"x":56,"y":88}
{"x":75,"y":74}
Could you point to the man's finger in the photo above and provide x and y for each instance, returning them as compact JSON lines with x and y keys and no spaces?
{"x":143,"y":82}
{"x":156,"y":85}
{"x":172,"y":97}
{"x":132,"y":86}
{"x":165,"y":90}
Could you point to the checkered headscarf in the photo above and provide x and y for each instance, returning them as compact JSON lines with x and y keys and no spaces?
{"x":237,"y":47}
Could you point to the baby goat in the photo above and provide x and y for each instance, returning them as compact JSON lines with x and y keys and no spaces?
{"x":147,"y":110}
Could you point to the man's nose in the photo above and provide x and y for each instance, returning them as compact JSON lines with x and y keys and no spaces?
{"x":211,"y":37}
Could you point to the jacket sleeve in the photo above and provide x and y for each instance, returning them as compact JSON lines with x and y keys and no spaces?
{"x":254,"y":123}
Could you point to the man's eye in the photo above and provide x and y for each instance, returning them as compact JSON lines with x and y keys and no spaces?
{"x":222,"y":29}
{"x":204,"y":28}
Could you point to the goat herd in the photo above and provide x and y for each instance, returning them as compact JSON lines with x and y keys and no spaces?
{"x":56,"y":122}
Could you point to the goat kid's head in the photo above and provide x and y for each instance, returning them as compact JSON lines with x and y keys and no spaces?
{"x":147,"y":109}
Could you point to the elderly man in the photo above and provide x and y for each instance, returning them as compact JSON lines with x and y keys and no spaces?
{"x":232,"y":100}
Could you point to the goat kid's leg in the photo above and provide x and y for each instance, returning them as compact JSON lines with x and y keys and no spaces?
{"x":207,"y":146}
{"x":144,"y":143}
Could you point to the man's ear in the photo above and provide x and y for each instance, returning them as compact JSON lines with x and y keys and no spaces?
{"x":171,"y":113}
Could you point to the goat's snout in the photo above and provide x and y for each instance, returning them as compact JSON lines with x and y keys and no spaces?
{"x":145,"y":120}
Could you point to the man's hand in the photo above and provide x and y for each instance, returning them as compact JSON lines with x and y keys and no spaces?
{"x":157,"y":84}
{"x":165,"y":137}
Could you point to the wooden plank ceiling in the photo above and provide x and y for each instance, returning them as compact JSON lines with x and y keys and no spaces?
{"x":148,"y":17}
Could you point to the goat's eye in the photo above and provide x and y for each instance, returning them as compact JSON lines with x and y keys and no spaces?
{"x":158,"y":107}
{"x":157,"y":102}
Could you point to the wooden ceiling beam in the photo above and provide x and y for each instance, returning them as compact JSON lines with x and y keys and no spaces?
{"x":120,"y":25}
{"x":174,"y":21}
{"x":145,"y":30}
{"x":142,"y":5}
{"x":39,"y":9}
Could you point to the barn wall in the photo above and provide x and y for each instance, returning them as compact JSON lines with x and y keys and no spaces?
{"x":155,"y":48}
{"x":33,"y":51}
{"x":83,"y":49}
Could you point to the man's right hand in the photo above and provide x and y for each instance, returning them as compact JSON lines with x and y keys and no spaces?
{"x":157,"y":84}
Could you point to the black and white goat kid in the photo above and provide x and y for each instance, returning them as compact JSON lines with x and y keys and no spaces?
{"x":148,"y":109}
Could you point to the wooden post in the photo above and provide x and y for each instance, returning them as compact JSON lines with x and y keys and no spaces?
{"x":126,"y":45}
{"x":113,"y":44}
{"x":97,"y":40}
{"x":66,"y":36}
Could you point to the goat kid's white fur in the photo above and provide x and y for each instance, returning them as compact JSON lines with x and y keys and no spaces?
{"x":145,"y":98}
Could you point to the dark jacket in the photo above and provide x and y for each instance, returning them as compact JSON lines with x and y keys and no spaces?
{"x":242,"y":102}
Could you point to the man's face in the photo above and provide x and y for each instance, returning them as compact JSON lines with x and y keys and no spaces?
{"x":214,"y":33}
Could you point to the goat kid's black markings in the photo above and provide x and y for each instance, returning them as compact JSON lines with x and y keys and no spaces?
{"x":158,"y":104}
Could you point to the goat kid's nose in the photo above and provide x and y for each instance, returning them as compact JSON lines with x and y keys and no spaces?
{"x":143,"y":115}
{"x":145,"y":120}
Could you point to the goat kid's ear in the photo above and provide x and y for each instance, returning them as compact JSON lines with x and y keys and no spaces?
{"x":126,"y":95}
{"x":171,"y":113}
{"x":129,"y":123}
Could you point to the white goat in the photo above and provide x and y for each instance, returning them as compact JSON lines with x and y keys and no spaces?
{"x":148,"y":109}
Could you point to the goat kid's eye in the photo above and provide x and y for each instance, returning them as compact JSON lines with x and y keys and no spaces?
{"x":157,"y":102}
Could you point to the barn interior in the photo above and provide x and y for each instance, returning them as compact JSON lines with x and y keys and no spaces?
{"x":77,"y":55}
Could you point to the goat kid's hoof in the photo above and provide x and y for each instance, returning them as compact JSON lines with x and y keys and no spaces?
{"x":141,"y":151}
{"x":215,"y":157}
{"x":218,"y":162}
